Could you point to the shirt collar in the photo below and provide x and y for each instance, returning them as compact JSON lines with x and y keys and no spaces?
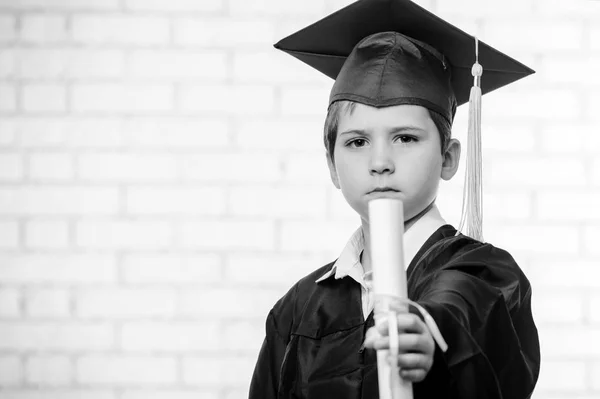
{"x":348,"y":263}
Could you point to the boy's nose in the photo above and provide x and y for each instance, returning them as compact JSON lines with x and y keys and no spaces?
{"x":381,"y":161}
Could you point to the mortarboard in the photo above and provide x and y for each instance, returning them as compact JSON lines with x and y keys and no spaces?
{"x":391,"y":52}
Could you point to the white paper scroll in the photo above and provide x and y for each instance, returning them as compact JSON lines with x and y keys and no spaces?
{"x":386,"y":225}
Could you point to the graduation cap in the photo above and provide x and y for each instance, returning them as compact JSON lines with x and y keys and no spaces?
{"x":392,"y":52}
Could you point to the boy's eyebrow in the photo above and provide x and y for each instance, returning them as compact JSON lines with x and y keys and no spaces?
{"x":398,"y":129}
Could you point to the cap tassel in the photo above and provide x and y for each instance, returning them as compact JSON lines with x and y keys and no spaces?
{"x":472,"y":209}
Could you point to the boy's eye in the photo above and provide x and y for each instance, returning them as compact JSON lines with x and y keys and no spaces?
{"x":356,"y":143}
{"x":407,"y":139}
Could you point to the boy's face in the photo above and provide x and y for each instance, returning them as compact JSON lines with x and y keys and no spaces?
{"x":397,"y":147}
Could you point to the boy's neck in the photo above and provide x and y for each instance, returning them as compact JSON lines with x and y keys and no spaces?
{"x":365,"y":256}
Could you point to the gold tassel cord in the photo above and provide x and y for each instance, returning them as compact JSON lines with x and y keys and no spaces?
{"x":472,"y":209}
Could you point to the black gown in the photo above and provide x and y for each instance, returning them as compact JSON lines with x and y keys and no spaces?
{"x":477,"y":294}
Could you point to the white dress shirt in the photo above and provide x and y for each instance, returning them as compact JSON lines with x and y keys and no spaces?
{"x":348,"y":264}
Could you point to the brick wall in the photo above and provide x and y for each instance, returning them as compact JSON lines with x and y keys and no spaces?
{"x":163,"y":182}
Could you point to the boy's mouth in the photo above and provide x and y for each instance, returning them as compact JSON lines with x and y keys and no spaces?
{"x":383,"y":190}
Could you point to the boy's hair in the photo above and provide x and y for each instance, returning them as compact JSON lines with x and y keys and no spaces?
{"x":333,"y":118}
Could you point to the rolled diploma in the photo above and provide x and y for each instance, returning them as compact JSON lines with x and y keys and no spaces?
{"x":386,"y":225}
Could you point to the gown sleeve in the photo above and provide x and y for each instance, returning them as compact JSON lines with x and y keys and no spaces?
{"x":265,"y":380}
{"x":482,"y":305}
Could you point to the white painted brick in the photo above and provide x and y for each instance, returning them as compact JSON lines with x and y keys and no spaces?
{"x":171,"y":394}
{"x":595,"y":37}
{"x":8,"y":131}
{"x":60,"y":5}
{"x":534,"y":172}
{"x":595,"y":171}
{"x":231,"y":167}
{"x":51,"y":166}
{"x":562,"y":376}
{"x":8,"y":28}
{"x":481,"y":8}
{"x":570,"y":341}
{"x":175,"y":5}
{"x":534,"y":239}
{"x":305,"y":101}
{"x":242,"y":100}
{"x":10,"y":302}
{"x":105,"y":97}
{"x":264,"y":270}
{"x":225,"y":234}
{"x":7,"y":62}
{"x":274,"y":67}
{"x":533,"y":35}
{"x":171,"y":268}
{"x":120,"y":29}
{"x":591,"y":239}
{"x":558,"y":205}
{"x":229,"y":302}
{"x":183,"y":133}
{"x":47,"y":302}
{"x":275,"y":8}
{"x":43,"y":28}
{"x":51,"y":370}
{"x":44,"y":97}
{"x":249,"y":342}
{"x":500,"y":138}
{"x":55,"y":336}
{"x":126,"y":370}
{"x":94,"y":133}
{"x":40,"y":131}
{"x":595,"y":376}
{"x":182,"y":337}
{"x":63,"y":393}
{"x":316,"y":235}
{"x":127,"y":167}
{"x":280,"y":134}
{"x":594,"y":106}
{"x":179,"y":201}
{"x":57,"y":269}
{"x":533,"y":103}
{"x":11,"y":371}
{"x":218,"y":371}
{"x":307,"y":168}
{"x":283,"y":201}
{"x":579,"y":138}
{"x":72,"y":200}
{"x":11,"y":167}
{"x":178,"y":65}
{"x":503,"y":205}
{"x":80,"y":132}
{"x":564,"y":9}
{"x":561,"y":69}
{"x":95,"y":63}
{"x":594,"y":309}
{"x":124,"y":234}
{"x":63,"y":63}
{"x":551,"y":307}
{"x":8,"y":97}
{"x":223,"y":31}
{"x":124,"y":303}
{"x":552,"y":273}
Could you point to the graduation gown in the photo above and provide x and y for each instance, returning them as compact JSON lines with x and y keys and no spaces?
{"x":477,"y":294}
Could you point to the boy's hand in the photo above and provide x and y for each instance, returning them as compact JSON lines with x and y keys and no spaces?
{"x":415,"y":345}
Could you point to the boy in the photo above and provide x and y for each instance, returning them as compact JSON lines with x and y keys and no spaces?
{"x":400,"y":74}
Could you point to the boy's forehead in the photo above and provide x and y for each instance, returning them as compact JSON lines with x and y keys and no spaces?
{"x":369,"y":118}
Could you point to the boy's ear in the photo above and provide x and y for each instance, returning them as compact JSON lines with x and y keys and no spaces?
{"x":451,"y":159}
{"x":332,"y":171}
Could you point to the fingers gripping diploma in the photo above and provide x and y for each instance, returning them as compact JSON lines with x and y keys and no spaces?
{"x":416,"y":345}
